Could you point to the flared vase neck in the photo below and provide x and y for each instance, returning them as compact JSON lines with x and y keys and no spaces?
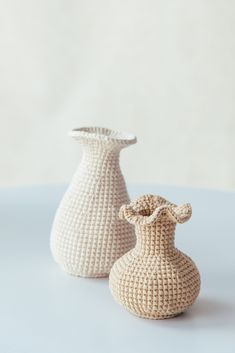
{"x":102,"y":144}
{"x":99,"y":162}
{"x":98,"y":137}
{"x":98,"y":152}
{"x":156,"y":238}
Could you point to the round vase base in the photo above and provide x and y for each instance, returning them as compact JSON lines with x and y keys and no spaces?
{"x":155,"y":316}
{"x":84,"y":274}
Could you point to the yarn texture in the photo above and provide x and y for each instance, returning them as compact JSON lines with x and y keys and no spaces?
{"x":87,"y":235}
{"x":155,"y":280}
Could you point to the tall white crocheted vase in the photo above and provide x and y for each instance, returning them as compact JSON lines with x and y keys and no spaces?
{"x":155,"y":280}
{"x":87,"y":235}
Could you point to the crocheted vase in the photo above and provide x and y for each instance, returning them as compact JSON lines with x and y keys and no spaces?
{"x":155,"y":280}
{"x":87,"y":234}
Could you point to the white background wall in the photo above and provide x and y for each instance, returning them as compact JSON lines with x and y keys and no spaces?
{"x":161,"y":69}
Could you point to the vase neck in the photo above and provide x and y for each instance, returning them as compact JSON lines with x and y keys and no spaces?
{"x":156,"y":238}
{"x":100,"y":152}
{"x":98,"y":160}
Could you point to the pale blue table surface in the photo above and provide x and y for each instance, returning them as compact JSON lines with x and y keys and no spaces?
{"x":44,"y":310}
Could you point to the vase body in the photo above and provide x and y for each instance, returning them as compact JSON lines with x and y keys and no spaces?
{"x":155,"y":280}
{"x":87,"y":235}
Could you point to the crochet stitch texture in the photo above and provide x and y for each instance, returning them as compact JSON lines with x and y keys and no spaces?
{"x":155,"y":280}
{"x":87,"y":234}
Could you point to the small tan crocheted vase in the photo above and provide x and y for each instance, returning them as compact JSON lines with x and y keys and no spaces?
{"x":87,"y":234}
{"x":155,"y":280}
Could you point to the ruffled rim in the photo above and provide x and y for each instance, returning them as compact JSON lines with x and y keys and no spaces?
{"x":103,"y":134}
{"x":150,"y":208}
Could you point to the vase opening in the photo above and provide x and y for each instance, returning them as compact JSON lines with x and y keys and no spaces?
{"x":103,"y":134}
{"x":150,"y":208}
{"x":148,"y":204}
